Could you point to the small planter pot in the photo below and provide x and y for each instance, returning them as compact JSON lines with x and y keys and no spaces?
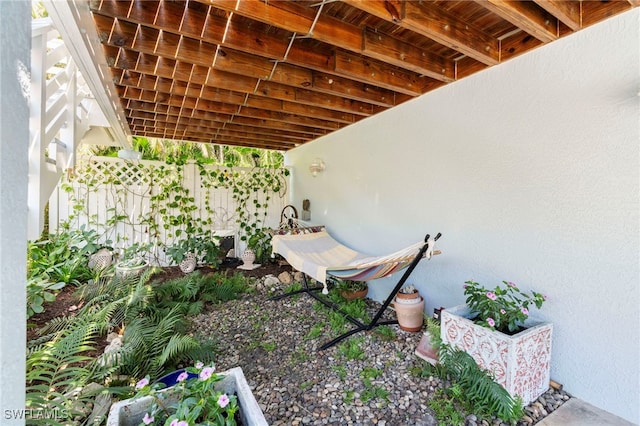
{"x":131,"y":411}
{"x":409,"y":311}
{"x":188,"y":264}
{"x":126,"y":271}
{"x":352,"y":295}
{"x":425,"y":349}
{"x":520,"y":363}
{"x":247,"y":258}
{"x":101,"y":259}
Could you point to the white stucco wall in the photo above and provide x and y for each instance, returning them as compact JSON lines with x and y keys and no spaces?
{"x":15,"y":42}
{"x":531,"y":172}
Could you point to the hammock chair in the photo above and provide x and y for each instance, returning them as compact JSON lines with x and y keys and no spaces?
{"x":315,"y":253}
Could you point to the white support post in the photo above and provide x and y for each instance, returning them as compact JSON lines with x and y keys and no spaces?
{"x":15,"y":46}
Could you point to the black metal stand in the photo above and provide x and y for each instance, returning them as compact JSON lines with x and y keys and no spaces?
{"x":360,"y":326}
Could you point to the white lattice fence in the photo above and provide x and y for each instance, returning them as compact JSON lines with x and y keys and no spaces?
{"x":119,"y":199}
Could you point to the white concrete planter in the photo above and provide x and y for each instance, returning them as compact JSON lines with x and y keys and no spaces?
{"x":521,"y":363}
{"x":131,"y":411}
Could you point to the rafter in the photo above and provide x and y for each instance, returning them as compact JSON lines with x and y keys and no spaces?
{"x":567,"y":11}
{"x":526,"y":16}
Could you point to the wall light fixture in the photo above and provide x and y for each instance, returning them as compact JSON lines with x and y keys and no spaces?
{"x":316,"y":166}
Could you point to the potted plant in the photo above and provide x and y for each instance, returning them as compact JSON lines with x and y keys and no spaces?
{"x":493,"y":328}
{"x":409,"y":306}
{"x":132,"y":259}
{"x":350,"y":289}
{"x":194,"y":250}
{"x":200,"y":396}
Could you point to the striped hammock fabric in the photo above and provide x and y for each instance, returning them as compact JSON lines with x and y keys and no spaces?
{"x":318,"y":254}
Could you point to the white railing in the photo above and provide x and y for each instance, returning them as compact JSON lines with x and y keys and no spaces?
{"x":58,"y":117}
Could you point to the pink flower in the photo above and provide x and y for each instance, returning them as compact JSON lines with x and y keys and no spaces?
{"x":491,"y":322}
{"x":502,"y":311}
{"x":147,"y":419}
{"x":199,"y":365}
{"x":183,"y":376}
{"x":511,"y":284}
{"x":524,"y":310}
{"x":544,"y":296}
{"x":176,"y":422}
{"x":491,"y":295}
{"x":223,"y":400}
{"x":206,"y":373}
{"x":464,"y":286}
{"x":142,"y":383}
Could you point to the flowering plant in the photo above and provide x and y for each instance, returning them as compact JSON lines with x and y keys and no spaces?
{"x":504,"y":308}
{"x":196,"y":400}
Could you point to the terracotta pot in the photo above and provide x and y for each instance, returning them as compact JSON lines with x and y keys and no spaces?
{"x":425,"y":350}
{"x":351,"y":295}
{"x":410,"y":313}
{"x":408,"y":297}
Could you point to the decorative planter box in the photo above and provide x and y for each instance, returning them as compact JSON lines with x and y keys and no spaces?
{"x":520,"y":363}
{"x":131,"y":411}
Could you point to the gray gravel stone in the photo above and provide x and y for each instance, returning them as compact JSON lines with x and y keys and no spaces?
{"x":295,"y":384}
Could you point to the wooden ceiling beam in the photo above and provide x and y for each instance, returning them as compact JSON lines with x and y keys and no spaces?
{"x":298,"y":20}
{"x":351,"y":65}
{"x":175,"y":96}
{"x":237,"y":63}
{"x":427,"y":19}
{"x":236,"y":46}
{"x":290,"y":97}
{"x":567,"y":11}
{"x":268,"y":125}
{"x":434,"y":23}
{"x":527,"y":16}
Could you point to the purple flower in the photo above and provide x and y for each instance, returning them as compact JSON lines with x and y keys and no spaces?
{"x":199,"y":365}
{"x":147,"y":419}
{"x":502,"y":311}
{"x":491,"y":295}
{"x":511,"y":284}
{"x":142,"y":383}
{"x":183,"y":376}
{"x":491,"y":322}
{"x":544,"y":296}
{"x":206,"y":373}
{"x":464,"y":286}
{"x":524,"y":310}
{"x":223,"y":400}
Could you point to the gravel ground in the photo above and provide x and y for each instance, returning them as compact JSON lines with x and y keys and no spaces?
{"x":276,"y":344}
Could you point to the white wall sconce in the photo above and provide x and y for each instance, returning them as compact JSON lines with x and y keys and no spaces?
{"x":316,"y":167}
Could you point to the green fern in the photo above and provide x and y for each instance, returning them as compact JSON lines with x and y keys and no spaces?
{"x":478,"y":386}
{"x":55,"y":371}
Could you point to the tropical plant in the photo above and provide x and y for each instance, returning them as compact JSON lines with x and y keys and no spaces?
{"x":504,"y":308}
{"x":197,"y":400}
{"x":39,"y":291}
{"x":133,"y":255}
{"x":350,"y":285}
{"x":205,"y":248}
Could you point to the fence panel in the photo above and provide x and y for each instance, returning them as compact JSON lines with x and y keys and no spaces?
{"x":129,"y":202}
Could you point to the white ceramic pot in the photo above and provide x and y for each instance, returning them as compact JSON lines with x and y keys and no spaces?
{"x":189,"y":263}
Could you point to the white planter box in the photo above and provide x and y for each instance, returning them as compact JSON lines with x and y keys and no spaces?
{"x":131,"y":411}
{"x":521,"y":363}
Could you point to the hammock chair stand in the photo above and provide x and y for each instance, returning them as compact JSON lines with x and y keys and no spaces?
{"x":359,"y":325}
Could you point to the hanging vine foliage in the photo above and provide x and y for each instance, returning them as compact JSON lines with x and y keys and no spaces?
{"x":159,"y":204}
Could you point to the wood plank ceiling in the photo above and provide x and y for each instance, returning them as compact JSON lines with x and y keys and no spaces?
{"x":276,"y":74}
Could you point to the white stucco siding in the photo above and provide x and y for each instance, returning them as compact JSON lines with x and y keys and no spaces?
{"x":531,"y":171}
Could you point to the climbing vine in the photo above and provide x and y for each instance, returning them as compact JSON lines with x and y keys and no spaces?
{"x":160,"y":204}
